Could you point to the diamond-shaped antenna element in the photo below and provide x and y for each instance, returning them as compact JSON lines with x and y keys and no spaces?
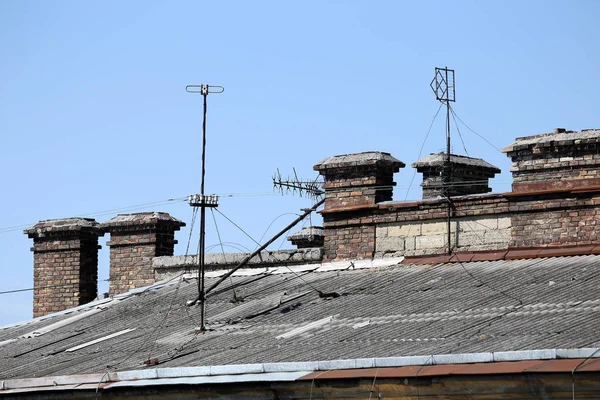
{"x":442,"y":84}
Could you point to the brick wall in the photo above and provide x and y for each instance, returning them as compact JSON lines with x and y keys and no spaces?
{"x":65,"y":268}
{"x":555,"y":220}
{"x":484,"y":222}
{"x":554,"y":201}
{"x":351,"y":242}
{"x":135,"y":239}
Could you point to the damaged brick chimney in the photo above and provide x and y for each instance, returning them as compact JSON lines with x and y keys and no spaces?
{"x":468,"y":175}
{"x":553,"y":161}
{"x":135,"y":239}
{"x":354,"y":184}
{"x":65,"y":256}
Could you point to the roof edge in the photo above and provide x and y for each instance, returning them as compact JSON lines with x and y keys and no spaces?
{"x":137,"y":377}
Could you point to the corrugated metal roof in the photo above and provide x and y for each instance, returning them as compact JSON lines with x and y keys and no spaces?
{"x":484,"y":306}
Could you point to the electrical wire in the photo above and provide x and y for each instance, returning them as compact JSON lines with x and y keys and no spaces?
{"x":422,"y":146}
{"x":149,"y":315}
{"x":223,"y":251}
{"x":51,"y":286}
{"x":234,"y":245}
{"x":104,"y":212}
{"x":272,"y":222}
{"x":162,"y":322}
{"x":469,"y":128}
{"x":239,"y":227}
{"x":578,"y":366}
{"x":459,"y":135}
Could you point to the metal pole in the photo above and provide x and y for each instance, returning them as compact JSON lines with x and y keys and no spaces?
{"x":448,"y":165}
{"x":201,"y":294}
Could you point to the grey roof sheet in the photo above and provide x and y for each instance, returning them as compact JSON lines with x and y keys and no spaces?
{"x":400,"y":310}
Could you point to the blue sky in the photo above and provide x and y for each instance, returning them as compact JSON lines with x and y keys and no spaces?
{"x":94,"y":115}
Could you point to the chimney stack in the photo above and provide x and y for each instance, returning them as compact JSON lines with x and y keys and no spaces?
{"x":354,"y":184}
{"x":358,"y":180}
{"x":135,"y":239}
{"x":468,"y":175}
{"x":554,"y":161}
{"x":65,"y":256}
{"x":310,"y":237}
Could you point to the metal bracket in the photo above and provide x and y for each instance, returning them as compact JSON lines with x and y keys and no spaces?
{"x":204,"y":89}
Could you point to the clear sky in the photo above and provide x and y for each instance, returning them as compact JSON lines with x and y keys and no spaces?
{"x":94,"y":115}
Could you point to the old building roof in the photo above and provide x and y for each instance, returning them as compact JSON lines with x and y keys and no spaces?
{"x":319,"y":312}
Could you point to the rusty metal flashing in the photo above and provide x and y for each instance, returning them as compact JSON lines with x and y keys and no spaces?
{"x":496,"y":368}
{"x":508,"y":254}
{"x":392,"y":205}
{"x":511,"y":362}
{"x":571,"y":186}
{"x":348,"y":209}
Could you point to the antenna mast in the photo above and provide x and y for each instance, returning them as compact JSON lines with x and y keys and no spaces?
{"x":200,"y":200}
{"x":443,"y":85}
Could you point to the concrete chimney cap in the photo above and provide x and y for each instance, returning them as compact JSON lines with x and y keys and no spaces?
{"x":560,"y":136}
{"x":438,"y":160}
{"x":142,"y":219}
{"x":63,"y":225}
{"x":367,"y":158}
{"x":308,"y":232}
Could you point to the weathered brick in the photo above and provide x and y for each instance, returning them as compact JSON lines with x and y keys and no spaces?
{"x":65,"y":254}
{"x":134,"y":240}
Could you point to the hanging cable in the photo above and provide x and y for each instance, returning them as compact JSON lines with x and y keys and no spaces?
{"x":105,"y":212}
{"x":235,"y":297}
{"x":272,"y":222}
{"x":234,"y":245}
{"x":469,"y":128}
{"x":50,"y":286}
{"x":237,"y":226}
{"x":274,"y":238}
{"x":459,"y":134}
{"x":422,"y":146}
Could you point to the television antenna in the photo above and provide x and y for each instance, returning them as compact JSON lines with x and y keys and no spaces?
{"x":312,"y":189}
{"x":443,"y":85}
{"x":201,"y":200}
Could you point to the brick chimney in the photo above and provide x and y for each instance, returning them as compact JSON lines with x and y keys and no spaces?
{"x":65,"y":257}
{"x":135,"y":239}
{"x":468,"y":175}
{"x":312,"y":236}
{"x":354,"y":184}
{"x":554,"y":161}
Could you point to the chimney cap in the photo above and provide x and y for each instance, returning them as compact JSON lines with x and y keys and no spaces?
{"x":141,"y":220}
{"x":307,"y":233}
{"x":364,"y":159}
{"x":567,"y":137}
{"x":56,"y":226}
{"x":438,"y":160}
